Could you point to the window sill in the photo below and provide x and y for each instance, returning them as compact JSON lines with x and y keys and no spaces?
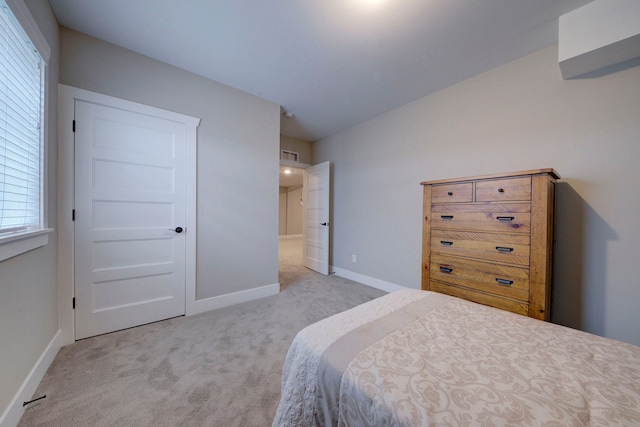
{"x":19,"y":243}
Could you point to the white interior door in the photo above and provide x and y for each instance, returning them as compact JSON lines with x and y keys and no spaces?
{"x":129,"y":218}
{"x":315,"y":217}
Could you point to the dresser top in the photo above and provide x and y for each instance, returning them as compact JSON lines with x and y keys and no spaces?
{"x":549,"y":171}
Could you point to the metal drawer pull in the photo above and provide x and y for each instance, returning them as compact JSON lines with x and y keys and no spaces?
{"x":503,"y":249}
{"x":500,"y":190}
{"x":450,"y":193}
{"x":504,"y":282}
{"x":446,"y":216}
{"x":445,"y":243}
{"x":446,"y":270}
{"x":505,"y":218}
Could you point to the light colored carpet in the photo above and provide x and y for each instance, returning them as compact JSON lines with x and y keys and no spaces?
{"x":220,"y":368}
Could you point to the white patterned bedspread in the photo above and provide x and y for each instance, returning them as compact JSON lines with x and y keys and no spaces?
{"x":416,"y":358}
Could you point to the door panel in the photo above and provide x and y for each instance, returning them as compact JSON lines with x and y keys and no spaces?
{"x":315,"y":233}
{"x":129,"y":198}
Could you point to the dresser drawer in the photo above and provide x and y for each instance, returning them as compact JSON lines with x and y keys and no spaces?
{"x":506,"y":218}
{"x":481,"y":298}
{"x":452,"y":193}
{"x":503,"y":190}
{"x":505,"y":248}
{"x":506,"y":281}
{"x":489,"y":239}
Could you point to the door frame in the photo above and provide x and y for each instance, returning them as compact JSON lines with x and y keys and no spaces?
{"x":67,"y":95}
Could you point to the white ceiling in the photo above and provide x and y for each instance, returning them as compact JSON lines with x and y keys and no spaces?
{"x":332,"y":63}
{"x":291,"y":179}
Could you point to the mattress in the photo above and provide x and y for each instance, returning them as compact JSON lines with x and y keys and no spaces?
{"x":417,"y":358}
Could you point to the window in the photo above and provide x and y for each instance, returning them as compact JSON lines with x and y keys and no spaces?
{"x":22,"y":71}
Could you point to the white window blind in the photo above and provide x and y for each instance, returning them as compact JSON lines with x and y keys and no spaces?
{"x":21,"y":110}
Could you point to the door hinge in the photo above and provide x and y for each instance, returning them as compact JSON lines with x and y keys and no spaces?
{"x":74,"y":125}
{"x":73,"y":215}
{"x":73,"y":303}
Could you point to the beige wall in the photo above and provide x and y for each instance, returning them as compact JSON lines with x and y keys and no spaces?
{"x":238,"y":156}
{"x":294,"y":211}
{"x":28,"y":282}
{"x":519,"y":116}
{"x":297,"y":145}
{"x":290,"y":211}
{"x":282,"y":212}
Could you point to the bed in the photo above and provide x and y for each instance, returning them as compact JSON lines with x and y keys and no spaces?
{"x":418,"y":358}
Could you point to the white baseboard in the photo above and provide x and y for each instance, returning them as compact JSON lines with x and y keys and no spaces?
{"x":213,"y":303}
{"x":14,"y":412}
{"x":366,"y":280}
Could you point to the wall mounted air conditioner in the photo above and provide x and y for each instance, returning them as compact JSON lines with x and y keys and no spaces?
{"x":598,"y":35}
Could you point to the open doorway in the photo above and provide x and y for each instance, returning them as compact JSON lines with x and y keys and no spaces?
{"x":290,"y":206}
{"x":290,"y":259}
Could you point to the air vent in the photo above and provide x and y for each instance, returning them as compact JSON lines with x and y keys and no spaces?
{"x":289,"y":155}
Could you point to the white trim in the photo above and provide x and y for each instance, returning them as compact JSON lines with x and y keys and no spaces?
{"x":234,"y":298}
{"x":30,"y":27}
{"x":366,"y":280}
{"x":19,"y":243}
{"x":67,"y":96}
{"x":66,"y":109}
{"x":292,"y":164}
{"x":14,"y":411}
{"x":110,"y":101}
{"x":191,"y":184}
{"x":290,"y":236}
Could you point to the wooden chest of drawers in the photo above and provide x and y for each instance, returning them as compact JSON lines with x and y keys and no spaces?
{"x":489,"y":239}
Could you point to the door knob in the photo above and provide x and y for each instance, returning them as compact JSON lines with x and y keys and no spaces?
{"x":177,"y":229}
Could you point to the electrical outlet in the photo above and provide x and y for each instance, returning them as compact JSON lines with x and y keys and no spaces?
{"x":354,"y":258}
